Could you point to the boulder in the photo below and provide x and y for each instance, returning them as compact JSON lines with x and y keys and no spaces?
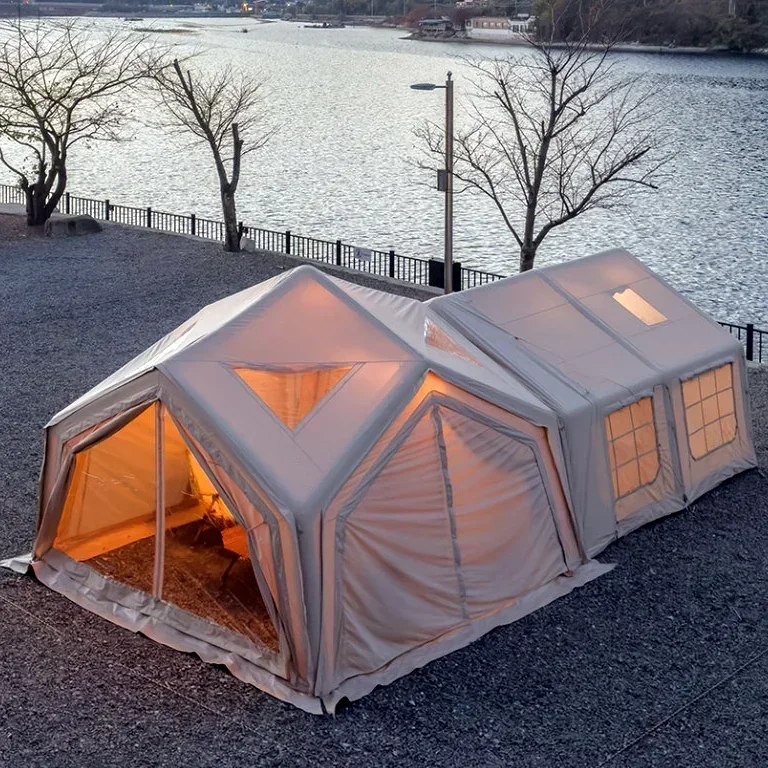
{"x":67,"y":226}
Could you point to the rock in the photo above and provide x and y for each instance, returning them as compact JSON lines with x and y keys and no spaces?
{"x":67,"y":226}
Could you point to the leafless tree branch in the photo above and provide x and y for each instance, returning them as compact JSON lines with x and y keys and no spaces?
{"x":224,"y":109}
{"x":552,"y":134}
{"x":60,"y":84}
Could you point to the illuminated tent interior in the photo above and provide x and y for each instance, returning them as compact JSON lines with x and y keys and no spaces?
{"x":323,"y":486}
{"x":318,"y":485}
{"x":652,"y":393}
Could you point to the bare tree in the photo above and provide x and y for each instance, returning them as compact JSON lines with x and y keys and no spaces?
{"x":551,"y":134}
{"x":223,"y":109}
{"x":59,"y":86}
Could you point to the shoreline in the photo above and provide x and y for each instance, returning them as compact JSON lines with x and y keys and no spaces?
{"x":618,"y":48}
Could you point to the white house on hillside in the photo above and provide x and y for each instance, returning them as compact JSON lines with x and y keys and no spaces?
{"x":499,"y":29}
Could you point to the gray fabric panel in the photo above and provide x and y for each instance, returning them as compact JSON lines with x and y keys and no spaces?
{"x":357,"y":687}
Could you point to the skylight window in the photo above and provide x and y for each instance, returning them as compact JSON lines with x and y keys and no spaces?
{"x":639,"y":307}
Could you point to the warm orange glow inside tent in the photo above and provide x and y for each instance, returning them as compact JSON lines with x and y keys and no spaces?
{"x":110,"y":521}
{"x":632,"y":449}
{"x":710,"y":410}
{"x":291,"y":395}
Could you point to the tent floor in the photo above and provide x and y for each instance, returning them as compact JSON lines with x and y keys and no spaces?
{"x":200,"y":577}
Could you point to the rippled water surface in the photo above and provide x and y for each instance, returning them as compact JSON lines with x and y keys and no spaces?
{"x":341,"y":163}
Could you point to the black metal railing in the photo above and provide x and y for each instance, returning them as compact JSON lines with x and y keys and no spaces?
{"x":428,"y":272}
{"x":408,"y":269}
{"x":753,"y":339}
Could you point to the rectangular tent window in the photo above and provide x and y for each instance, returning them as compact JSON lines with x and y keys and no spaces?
{"x":632,"y":448}
{"x":639,"y":307}
{"x":710,"y":413}
{"x":207,"y":565}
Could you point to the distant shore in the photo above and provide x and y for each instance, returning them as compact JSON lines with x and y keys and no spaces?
{"x":679,"y":50}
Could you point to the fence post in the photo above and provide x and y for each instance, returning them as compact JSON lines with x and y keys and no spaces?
{"x":338,"y":253}
{"x":750,"y":341}
{"x":149,"y":217}
{"x":192,"y":223}
{"x":288,"y":241}
{"x":436,"y":273}
{"x":240,"y":232}
{"x":106,"y":209}
{"x":392,"y":263}
{"x":66,"y":203}
{"x":457,"y":275}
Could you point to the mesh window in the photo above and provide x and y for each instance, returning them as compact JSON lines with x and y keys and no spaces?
{"x":632,"y":449}
{"x":639,"y":307}
{"x":291,"y":395}
{"x":710,"y":414}
{"x":208,"y":569}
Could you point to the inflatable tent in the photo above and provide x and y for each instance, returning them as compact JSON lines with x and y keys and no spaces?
{"x":650,"y":392}
{"x":319,"y":485}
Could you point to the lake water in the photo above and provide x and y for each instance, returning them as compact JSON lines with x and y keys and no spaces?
{"x":341,"y":163}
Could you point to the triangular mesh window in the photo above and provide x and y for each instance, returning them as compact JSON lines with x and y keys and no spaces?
{"x":291,"y":395}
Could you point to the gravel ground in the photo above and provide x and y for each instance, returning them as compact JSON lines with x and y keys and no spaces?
{"x":662,"y":662}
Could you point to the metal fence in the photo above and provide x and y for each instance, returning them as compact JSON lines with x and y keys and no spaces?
{"x":753,"y":339}
{"x":383,"y":263}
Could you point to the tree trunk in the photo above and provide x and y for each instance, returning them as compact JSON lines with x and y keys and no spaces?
{"x":527,"y":256}
{"x":231,"y":231}
{"x":55,"y":193}
{"x":35,"y":199}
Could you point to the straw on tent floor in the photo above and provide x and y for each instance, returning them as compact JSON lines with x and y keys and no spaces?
{"x":196,"y":579}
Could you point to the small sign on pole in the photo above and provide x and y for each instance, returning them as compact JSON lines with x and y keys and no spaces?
{"x":362,"y":254}
{"x":442,"y":180}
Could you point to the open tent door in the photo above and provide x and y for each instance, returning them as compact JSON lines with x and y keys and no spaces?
{"x":207,"y":567}
{"x":197,"y":559}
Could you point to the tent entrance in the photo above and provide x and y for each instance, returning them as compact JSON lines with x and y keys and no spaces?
{"x":193,"y":553}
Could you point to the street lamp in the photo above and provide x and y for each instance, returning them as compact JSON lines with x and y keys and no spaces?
{"x":445,"y":177}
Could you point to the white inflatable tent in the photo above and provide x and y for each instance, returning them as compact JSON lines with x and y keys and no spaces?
{"x":319,"y":485}
{"x":651,"y":393}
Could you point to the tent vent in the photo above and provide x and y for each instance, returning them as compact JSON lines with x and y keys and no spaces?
{"x":291,"y":395}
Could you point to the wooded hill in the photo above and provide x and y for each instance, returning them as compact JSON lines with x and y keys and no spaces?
{"x":740,"y":25}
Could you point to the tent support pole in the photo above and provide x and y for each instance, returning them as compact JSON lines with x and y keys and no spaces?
{"x":157,"y":586}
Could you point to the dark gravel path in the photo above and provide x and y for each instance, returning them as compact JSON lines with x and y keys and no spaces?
{"x":671,"y":640}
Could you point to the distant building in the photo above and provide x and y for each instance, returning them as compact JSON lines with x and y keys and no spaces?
{"x":435,"y":27}
{"x":497,"y":28}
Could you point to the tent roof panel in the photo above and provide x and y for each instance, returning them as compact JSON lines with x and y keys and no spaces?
{"x":598,"y":273}
{"x":308,"y":319}
{"x":604,"y":323}
{"x":508,"y":300}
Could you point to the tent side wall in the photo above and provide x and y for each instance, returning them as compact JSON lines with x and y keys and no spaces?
{"x":638,"y":343}
{"x":99,"y":433}
{"x":455,"y":522}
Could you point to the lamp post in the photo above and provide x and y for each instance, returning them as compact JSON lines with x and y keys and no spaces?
{"x":445,"y":177}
